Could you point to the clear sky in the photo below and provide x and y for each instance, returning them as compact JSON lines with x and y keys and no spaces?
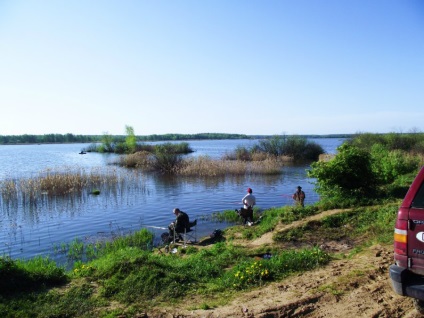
{"x":181,"y":66}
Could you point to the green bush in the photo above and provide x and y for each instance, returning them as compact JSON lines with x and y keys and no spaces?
{"x":130,"y":140}
{"x":297,"y":147}
{"x":273,"y":146}
{"x":301,"y":149}
{"x":349,"y":174}
{"x":390,"y":165}
{"x":391,"y":141}
{"x":165,"y":159}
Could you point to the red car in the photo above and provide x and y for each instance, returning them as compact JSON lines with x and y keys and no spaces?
{"x":407,"y":274}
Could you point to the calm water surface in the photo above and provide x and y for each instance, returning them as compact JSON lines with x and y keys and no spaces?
{"x":39,"y":230}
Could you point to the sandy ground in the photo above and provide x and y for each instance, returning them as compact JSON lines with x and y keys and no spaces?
{"x":350,"y":287}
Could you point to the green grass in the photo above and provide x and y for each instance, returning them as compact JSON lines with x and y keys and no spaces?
{"x":374,"y":224}
{"x":129,"y":274}
{"x":38,"y":273}
{"x":141,"y":279}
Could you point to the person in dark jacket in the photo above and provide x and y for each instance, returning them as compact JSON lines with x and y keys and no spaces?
{"x":299,"y":197}
{"x":181,"y":223}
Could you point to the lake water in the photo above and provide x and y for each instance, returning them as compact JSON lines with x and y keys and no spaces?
{"x":27,"y":231}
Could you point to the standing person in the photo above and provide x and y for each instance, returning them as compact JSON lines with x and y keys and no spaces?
{"x":299,"y":197}
{"x":246,"y":212}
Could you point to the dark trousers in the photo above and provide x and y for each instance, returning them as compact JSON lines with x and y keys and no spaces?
{"x":246,"y":214}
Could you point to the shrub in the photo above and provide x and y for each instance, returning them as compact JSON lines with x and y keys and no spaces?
{"x":349,"y":174}
{"x":273,"y":146}
{"x":242,"y":153}
{"x":365,"y":141}
{"x":389,"y":165}
{"x":392,"y":141}
{"x":130,"y":140}
{"x":165,"y":159}
{"x":419,"y":147}
{"x":296,"y":147}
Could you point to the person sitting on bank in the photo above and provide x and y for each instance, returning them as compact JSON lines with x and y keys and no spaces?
{"x":181,"y":224}
{"x":299,"y":197}
{"x":246,"y":212}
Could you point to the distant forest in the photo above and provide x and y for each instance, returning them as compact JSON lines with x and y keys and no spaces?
{"x":71,"y":138}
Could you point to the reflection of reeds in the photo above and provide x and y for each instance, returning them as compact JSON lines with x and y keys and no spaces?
{"x":58,"y":183}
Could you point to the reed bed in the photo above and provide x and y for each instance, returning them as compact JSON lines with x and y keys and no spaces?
{"x":140,"y":159}
{"x":60,"y":183}
{"x":268,"y":166}
{"x":204,"y":166}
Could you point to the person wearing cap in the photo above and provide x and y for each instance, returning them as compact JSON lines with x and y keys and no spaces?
{"x":181,"y":223}
{"x":249,"y":199}
{"x":299,"y":197}
{"x":246,"y":212}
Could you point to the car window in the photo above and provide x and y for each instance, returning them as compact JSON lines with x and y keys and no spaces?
{"x":418,"y":201}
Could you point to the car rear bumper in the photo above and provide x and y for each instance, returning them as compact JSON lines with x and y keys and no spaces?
{"x":406,"y":283}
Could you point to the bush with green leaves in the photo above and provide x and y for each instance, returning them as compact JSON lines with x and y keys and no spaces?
{"x":300,"y":148}
{"x":391,"y":141}
{"x":130,"y":139}
{"x":349,"y":174}
{"x":297,"y":147}
{"x":165,"y":160}
{"x":273,"y":146}
{"x":388,"y":165}
{"x":362,"y":171}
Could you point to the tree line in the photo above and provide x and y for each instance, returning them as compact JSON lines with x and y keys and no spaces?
{"x":47,"y":138}
{"x":71,"y":138}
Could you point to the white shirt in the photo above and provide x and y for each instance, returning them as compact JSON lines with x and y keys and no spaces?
{"x":248,"y":200}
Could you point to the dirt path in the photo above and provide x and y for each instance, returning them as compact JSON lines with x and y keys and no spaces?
{"x":266,"y":239}
{"x":350,"y":287}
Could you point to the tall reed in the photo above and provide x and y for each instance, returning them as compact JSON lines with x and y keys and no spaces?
{"x":59,"y":183}
{"x":204,"y":166}
{"x":141,"y":159}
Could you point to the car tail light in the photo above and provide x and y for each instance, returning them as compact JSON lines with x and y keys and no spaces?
{"x":401,"y":237}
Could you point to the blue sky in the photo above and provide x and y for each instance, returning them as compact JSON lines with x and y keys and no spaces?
{"x":179,"y":66}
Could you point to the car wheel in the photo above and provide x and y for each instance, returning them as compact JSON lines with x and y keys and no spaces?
{"x":419,"y":305}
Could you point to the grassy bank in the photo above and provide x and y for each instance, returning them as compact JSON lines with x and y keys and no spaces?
{"x":126,"y":277}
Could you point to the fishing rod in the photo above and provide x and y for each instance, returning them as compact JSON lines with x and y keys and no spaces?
{"x":287,"y":195}
{"x":156,"y":227}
